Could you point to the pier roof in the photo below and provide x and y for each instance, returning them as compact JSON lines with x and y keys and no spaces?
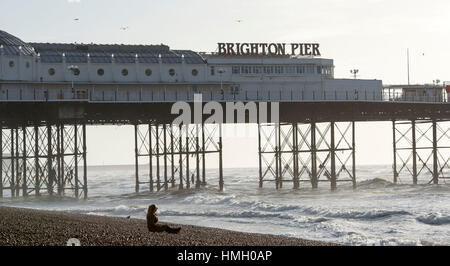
{"x":11,"y":45}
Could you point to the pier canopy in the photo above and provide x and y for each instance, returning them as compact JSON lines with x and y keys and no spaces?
{"x":11,"y":45}
{"x":118,"y":53}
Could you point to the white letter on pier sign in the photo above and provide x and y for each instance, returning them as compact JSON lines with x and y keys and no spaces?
{"x":185,"y":117}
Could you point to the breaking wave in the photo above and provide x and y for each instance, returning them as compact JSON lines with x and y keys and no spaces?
{"x":434,"y":219}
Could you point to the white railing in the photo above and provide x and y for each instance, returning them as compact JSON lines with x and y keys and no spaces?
{"x":160,"y":95}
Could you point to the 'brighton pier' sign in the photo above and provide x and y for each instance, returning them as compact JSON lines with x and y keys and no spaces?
{"x":274,"y":49}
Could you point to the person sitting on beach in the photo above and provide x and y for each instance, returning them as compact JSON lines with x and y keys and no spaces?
{"x":152,"y":221}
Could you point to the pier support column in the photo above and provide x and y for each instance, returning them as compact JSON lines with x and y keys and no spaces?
{"x":136,"y":154}
{"x":435,"y":154}
{"x":41,"y":157}
{"x":419,"y":144}
{"x":394,"y":168}
{"x":150,"y":157}
{"x":354,"y":154}
{"x":176,"y":145}
{"x":166,"y":181}
{"x":172,"y":156}
{"x":295,"y":155}
{"x":314,"y":177}
{"x":261,"y":179}
{"x":1,"y":161}
{"x":333,"y":159}
{"x":221,"y":181}
{"x":203,"y":156}
{"x":414,"y":151}
{"x":158,"y":166}
{"x":197,"y":156}
{"x":307,"y":152}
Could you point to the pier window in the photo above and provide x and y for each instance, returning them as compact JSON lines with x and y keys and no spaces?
{"x":309,"y":69}
{"x":11,"y":64}
{"x":100,"y":72}
{"x":245,"y":69}
{"x":268,"y":70}
{"x":301,"y":69}
{"x":279,"y":70}
{"x":76,"y":72}
{"x":172,"y":72}
{"x":257,"y":70}
{"x":194,"y":72}
{"x":51,"y":71}
{"x":148,"y":72}
{"x":213,"y":71}
{"x":236,"y":70}
{"x":124,"y":72}
{"x":290,"y":70}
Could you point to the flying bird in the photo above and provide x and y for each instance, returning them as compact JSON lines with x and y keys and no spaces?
{"x":76,"y":19}
{"x":124,"y":28}
{"x":239,"y":20}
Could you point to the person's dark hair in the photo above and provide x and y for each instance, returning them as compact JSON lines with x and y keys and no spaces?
{"x":151,"y":208}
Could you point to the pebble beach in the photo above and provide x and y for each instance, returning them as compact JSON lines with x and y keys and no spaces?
{"x":28,"y":227}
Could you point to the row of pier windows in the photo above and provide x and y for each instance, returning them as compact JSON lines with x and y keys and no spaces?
{"x":280,"y":69}
{"x":100,"y":72}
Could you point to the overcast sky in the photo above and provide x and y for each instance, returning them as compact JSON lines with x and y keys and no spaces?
{"x":371,"y":35}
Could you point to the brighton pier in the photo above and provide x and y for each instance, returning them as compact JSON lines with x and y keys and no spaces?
{"x":50,"y":93}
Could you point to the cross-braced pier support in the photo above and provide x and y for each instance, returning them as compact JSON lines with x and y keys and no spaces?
{"x":176,"y":156}
{"x":43,"y":160}
{"x":421,"y":151}
{"x":309,"y":153}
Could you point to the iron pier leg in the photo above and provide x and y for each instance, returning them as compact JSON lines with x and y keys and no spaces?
{"x":353,"y":154}
{"x":277,"y":170}
{"x":158,"y":177}
{"x":180,"y":149}
{"x":166,"y":184}
{"x":58,"y":159}
{"x":395,"y":152}
{"x":295,"y":154}
{"x":414,"y":151}
{"x":76,"y":151}
{"x":50,"y":170}
{"x":280,"y":159}
{"x":37,"y":172}
{"x":13,"y":174}
{"x":17,"y":164}
{"x":435,"y":155}
{"x":85,"y":183}
{"x":136,"y":155}
{"x":63,"y":155}
{"x":197,"y":153}
{"x":203,"y":156}
{"x":150,"y":155}
{"x":314,"y":180}
{"x":333,"y":158}
{"x":260,"y":159}
{"x":1,"y":161}
{"x":188,"y":172}
{"x":172,"y":155}
{"x":24,"y":162}
{"x":221,"y":182}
